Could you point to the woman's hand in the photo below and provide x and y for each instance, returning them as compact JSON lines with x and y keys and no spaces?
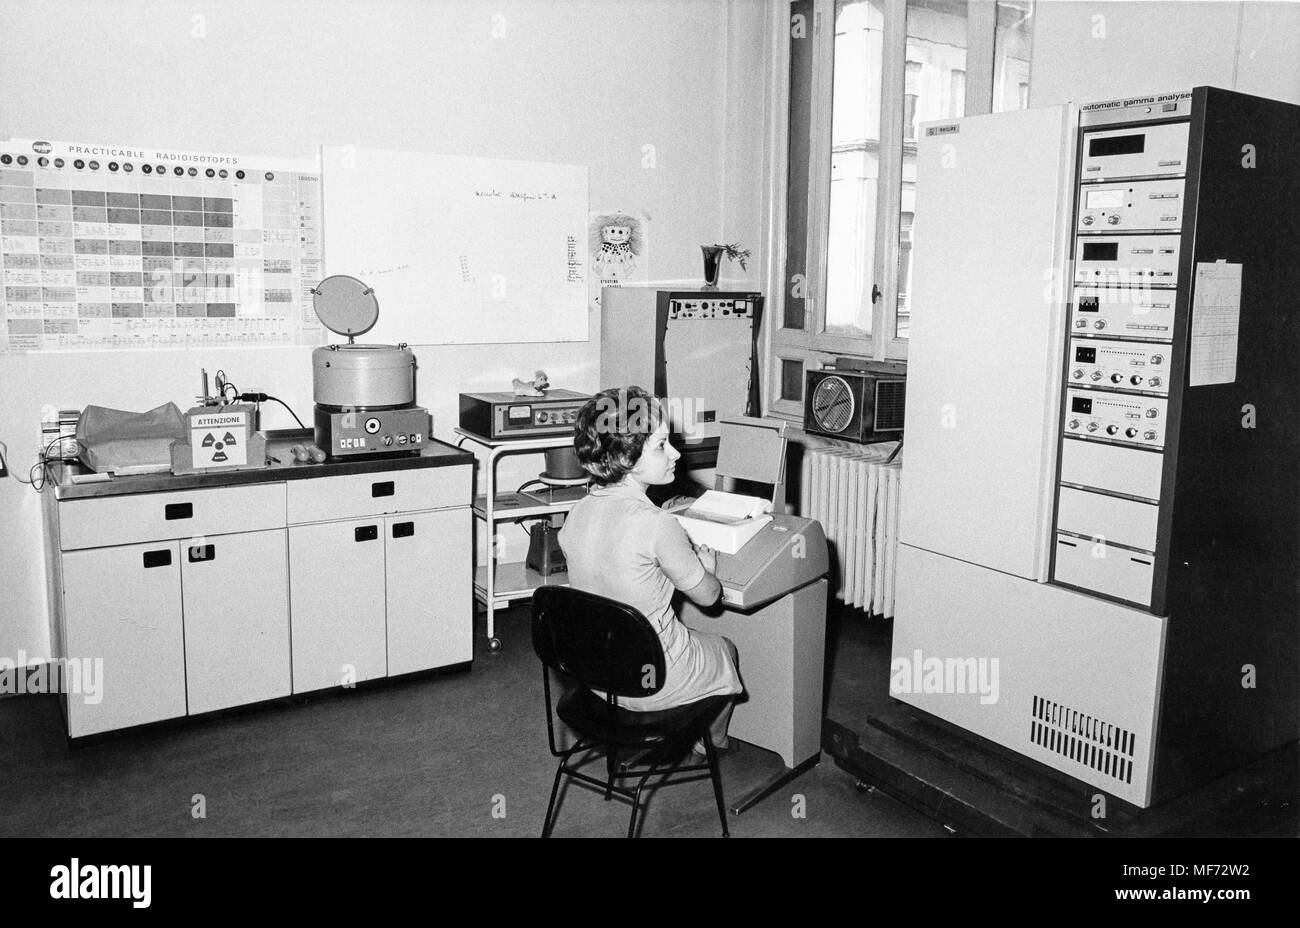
{"x":677,"y":503}
{"x":709,"y":558}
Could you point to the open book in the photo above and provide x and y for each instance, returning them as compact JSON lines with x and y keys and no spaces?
{"x":724,"y":521}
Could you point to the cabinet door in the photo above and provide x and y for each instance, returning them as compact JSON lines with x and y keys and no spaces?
{"x":336,"y":603}
{"x":122,"y":612}
{"x":236,"y":599}
{"x":430,"y":615}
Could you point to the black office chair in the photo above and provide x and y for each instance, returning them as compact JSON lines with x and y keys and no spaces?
{"x":605,"y":645}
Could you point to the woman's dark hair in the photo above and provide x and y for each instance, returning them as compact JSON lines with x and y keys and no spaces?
{"x":612,"y":429}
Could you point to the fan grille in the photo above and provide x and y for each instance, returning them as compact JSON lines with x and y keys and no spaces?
{"x":891,"y":399}
{"x":833,"y":404}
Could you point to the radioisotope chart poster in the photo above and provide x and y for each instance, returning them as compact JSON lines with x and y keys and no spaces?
{"x":121,"y":246}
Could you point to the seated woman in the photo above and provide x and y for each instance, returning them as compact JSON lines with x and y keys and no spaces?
{"x":620,"y":545}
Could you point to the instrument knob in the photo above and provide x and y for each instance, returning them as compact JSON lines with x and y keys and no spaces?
{"x":388,"y":440}
{"x":1152,"y":413}
{"x":401,"y":439}
{"x":1155,"y":381}
{"x":1157,"y":359}
{"x":1131,"y":432}
{"x":1136,"y":379}
{"x":1087,"y":220}
{"x":1081,"y":323}
{"x":1116,"y":378}
{"x":1099,"y":324}
{"x":1096,"y":375}
{"x":1113,"y":219}
{"x":1077,"y":373}
{"x":1112,"y":429}
{"x":1092,"y":426}
{"x":1074,"y":423}
{"x":1149,"y":435}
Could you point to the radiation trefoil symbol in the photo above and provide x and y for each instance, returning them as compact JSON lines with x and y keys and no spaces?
{"x":219,"y":454}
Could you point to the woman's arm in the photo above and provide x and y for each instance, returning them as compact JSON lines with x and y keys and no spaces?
{"x":689,"y":569}
{"x":707,"y":591}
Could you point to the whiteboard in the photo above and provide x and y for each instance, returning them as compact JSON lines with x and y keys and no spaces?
{"x":460,"y":250}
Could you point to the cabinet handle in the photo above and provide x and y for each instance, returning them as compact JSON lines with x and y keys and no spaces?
{"x":385,"y":488}
{"x":178,"y":511}
{"x":158,"y":558}
{"x":366,"y":533}
{"x":403,"y":529}
{"x":202,"y":553}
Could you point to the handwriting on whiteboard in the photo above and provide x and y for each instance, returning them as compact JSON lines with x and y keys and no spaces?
{"x":366,"y":272}
{"x":517,"y":195}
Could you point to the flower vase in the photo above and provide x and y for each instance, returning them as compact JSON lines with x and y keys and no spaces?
{"x":712,"y":265}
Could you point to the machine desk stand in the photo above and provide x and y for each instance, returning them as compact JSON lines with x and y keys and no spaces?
{"x":773,"y":608}
{"x":497,"y":585}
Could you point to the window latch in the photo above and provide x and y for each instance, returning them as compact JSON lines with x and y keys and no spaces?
{"x":875,"y":294}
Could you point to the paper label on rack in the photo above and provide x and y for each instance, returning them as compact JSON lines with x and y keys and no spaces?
{"x":1216,"y":318}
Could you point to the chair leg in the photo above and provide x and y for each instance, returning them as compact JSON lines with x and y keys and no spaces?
{"x":611,"y":757}
{"x":636,"y":801}
{"x":717,"y":784}
{"x":550,"y":806}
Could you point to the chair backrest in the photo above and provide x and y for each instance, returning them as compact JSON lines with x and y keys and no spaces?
{"x":753,"y":450}
{"x":603,"y":644}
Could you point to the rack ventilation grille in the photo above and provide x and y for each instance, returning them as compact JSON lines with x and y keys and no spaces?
{"x":1082,"y":738}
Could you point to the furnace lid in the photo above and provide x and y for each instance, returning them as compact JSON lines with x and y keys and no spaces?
{"x":345,"y":305}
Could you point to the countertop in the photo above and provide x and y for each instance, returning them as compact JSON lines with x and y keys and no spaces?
{"x":278,"y":443}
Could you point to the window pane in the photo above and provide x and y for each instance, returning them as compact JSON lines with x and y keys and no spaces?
{"x":855,"y":166}
{"x":791,"y":380}
{"x":934,"y":87}
{"x":1012,"y":46}
{"x":796,"y":237}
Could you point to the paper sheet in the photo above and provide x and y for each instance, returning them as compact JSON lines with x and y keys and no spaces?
{"x":1216,"y":316}
{"x":727,"y":508}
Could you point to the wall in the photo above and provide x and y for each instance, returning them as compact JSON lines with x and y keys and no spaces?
{"x":548,"y":80}
{"x":1088,"y":52}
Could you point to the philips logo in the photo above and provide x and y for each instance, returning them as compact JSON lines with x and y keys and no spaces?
{"x":42,"y":148}
{"x":102,"y":881}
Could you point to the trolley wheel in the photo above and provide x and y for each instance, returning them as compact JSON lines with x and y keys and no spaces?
{"x":494,"y":644}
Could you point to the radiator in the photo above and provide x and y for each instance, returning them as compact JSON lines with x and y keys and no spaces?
{"x":854,"y":495}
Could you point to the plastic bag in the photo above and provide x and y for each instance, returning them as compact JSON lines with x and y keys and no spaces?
{"x":118,"y":442}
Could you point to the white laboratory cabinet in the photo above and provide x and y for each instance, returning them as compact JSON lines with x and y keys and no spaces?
{"x":200,"y":593}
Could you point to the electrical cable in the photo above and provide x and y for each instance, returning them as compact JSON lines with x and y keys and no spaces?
{"x":38,"y":475}
{"x":221,"y":379}
{"x":286,"y":406}
{"x":4,"y":460}
{"x":266,"y":397}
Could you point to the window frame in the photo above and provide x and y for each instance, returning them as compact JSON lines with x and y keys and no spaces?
{"x":811,"y":344}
